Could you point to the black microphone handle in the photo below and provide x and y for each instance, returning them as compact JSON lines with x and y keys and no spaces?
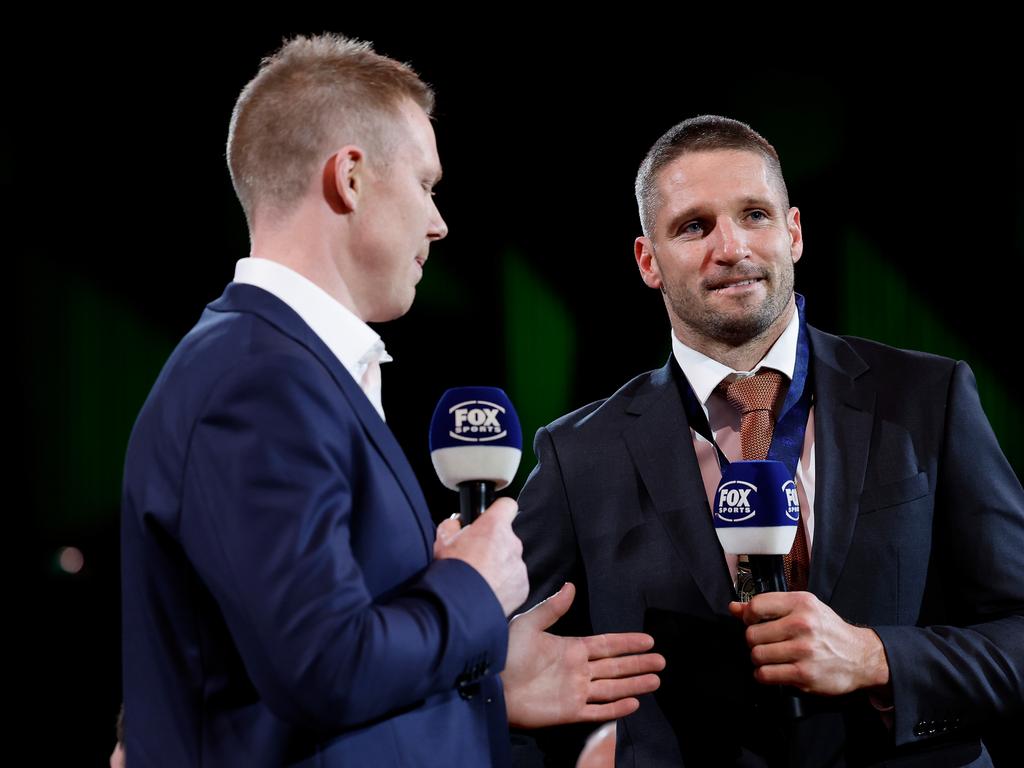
{"x":474,"y":497}
{"x":769,"y":574}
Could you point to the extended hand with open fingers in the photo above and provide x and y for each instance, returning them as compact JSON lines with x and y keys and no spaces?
{"x":797,"y":640}
{"x":490,"y":546}
{"x":551,"y":679}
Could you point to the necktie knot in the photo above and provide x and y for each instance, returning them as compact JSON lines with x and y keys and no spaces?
{"x":754,"y":393}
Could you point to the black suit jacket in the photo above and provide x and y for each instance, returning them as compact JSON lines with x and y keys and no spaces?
{"x":919,"y":533}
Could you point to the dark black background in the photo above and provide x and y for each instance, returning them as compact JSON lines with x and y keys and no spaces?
{"x":114,"y":172}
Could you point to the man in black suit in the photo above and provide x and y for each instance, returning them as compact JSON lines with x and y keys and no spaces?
{"x":907,"y":633}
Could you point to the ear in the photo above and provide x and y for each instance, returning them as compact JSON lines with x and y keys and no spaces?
{"x":344,"y":179}
{"x":796,"y":235}
{"x":643,"y":250}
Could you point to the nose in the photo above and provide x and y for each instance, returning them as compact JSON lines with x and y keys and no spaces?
{"x":730,"y":245}
{"x":438,"y":229}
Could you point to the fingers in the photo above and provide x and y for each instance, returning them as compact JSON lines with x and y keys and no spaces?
{"x":626,"y":666}
{"x":448,"y":528}
{"x":779,"y":653}
{"x":599,"y":713}
{"x":612,"y":690}
{"x":775,"y":605}
{"x":771,"y":606}
{"x":784,"y":619}
{"x":491,"y":547}
{"x":617,"y":644}
{"x":446,"y":533}
{"x":781,"y":674}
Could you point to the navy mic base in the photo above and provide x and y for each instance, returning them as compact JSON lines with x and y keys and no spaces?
{"x":474,"y":497}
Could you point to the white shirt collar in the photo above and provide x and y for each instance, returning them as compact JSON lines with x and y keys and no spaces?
{"x":351,"y":340}
{"x":705,"y":373}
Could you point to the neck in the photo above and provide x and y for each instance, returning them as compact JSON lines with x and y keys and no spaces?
{"x":299,"y":245}
{"x":744,"y":355}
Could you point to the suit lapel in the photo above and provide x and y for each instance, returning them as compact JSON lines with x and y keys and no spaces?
{"x":661,"y":446}
{"x":240,"y":297}
{"x":843,"y":417}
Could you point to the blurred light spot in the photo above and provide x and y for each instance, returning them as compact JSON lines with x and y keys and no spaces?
{"x":71,"y":560}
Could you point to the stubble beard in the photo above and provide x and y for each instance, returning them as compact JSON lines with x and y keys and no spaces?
{"x":733,"y":329}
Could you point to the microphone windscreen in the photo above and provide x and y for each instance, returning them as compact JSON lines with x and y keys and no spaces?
{"x":475,"y":435}
{"x":756,"y":508}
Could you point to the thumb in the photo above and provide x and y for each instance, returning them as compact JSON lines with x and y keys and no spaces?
{"x":737,"y":609}
{"x":544,"y":614}
{"x":503,"y":509}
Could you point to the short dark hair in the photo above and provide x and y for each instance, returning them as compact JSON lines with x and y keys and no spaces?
{"x":309,"y":97}
{"x":705,"y":133}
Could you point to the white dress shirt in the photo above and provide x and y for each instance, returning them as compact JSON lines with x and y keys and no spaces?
{"x":704,"y":375}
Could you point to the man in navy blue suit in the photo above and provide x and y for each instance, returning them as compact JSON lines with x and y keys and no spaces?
{"x":285,"y":597}
{"x":906,"y":633}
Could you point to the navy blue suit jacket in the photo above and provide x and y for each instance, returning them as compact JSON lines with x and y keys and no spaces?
{"x":281,"y":603}
{"x":919,"y":533}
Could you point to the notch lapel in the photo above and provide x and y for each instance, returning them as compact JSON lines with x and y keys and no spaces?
{"x":238,"y":297}
{"x":843,"y":418}
{"x":661,"y":446}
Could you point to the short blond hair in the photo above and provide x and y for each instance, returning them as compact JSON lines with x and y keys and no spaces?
{"x":310,"y":97}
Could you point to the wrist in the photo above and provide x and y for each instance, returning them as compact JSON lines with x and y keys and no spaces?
{"x":876,"y":664}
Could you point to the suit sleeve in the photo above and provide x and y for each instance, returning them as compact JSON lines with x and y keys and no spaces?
{"x":269,"y":504}
{"x":947,"y":677}
{"x":546,"y":527}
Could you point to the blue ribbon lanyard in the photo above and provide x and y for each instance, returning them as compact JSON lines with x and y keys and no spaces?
{"x":788,"y":435}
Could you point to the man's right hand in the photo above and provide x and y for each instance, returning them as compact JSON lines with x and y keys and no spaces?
{"x":492,"y":549}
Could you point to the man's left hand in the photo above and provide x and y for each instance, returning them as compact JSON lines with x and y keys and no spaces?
{"x":797,"y":640}
{"x":550,"y":680}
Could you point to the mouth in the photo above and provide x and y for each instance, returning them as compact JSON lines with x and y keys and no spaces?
{"x":734,"y":285}
{"x":421,"y":260}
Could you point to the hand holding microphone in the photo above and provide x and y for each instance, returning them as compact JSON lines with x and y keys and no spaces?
{"x":756,"y":513}
{"x":795,"y":639}
{"x":475,"y":445}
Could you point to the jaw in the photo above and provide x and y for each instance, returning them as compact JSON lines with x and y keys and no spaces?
{"x":732,"y":325}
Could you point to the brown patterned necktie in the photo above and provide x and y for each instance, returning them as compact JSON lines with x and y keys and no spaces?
{"x":754,"y":397}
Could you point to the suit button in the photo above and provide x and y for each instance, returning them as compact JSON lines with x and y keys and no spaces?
{"x":924,"y":728}
{"x":466,"y":686}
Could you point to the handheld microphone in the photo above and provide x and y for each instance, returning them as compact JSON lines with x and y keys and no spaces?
{"x":756,"y":513}
{"x":475,"y":445}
